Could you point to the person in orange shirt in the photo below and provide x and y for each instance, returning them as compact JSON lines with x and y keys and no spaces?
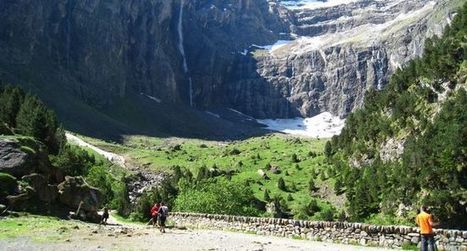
{"x":425,"y":222}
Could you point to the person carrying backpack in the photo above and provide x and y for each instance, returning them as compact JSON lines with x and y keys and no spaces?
{"x":163,"y":213}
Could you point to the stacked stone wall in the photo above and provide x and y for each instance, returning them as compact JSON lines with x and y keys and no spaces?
{"x":338,"y":232}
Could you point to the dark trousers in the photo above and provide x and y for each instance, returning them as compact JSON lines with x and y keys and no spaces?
{"x":428,"y":242}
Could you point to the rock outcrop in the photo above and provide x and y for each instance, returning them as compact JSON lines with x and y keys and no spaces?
{"x":28,"y":180}
{"x":21,"y":156}
{"x":45,"y":192}
{"x":75,"y":192}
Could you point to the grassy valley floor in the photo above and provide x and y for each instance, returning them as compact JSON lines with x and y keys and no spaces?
{"x":260,"y":162}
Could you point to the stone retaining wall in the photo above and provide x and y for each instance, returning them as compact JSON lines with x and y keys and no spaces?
{"x":339,"y":232}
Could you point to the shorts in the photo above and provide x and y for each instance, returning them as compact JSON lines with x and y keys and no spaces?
{"x":162,"y":220}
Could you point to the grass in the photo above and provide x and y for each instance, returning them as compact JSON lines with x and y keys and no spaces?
{"x":384,"y":219}
{"x":50,"y":228}
{"x":409,"y":246}
{"x":245,"y":158}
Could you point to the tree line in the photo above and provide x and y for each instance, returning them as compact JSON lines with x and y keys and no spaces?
{"x":432,"y":168}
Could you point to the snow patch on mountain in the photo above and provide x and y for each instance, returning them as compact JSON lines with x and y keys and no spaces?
{"x":273,"y":47}
{"x":324,"y":125}
{"x":314,"y":4}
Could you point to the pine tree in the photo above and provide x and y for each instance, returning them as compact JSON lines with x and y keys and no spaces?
{"x":31,"y":119}
{"x":311,"y":186}
{"x":281,"y":184}
{"x":328,"y":149}
{"x":203,"y":173}
{"x":266,"y":197}
{"x":338,"y":186}
{"x":11,"y":99}
{"x":295,"y":158}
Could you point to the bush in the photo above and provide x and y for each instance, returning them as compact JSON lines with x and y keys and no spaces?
{"x":266,"y":197}
{"x":327,"y":214}
{"x":312,"y":207}
{"x":216,"y":196}
{"x":111,"y":187}
{"x":142,"y":209}
{"x":73,"y":161}
{"x":311,"y":186}
{"x":295,"y":158}
{"x":281,"y":184}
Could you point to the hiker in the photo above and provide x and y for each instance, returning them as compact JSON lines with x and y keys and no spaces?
{"x":105,"y":216}
{"x":425,"y":221}
{"x":154,"y":212}
{"x":163,"y":213}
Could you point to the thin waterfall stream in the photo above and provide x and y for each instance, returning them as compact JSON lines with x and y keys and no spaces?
{"x":181,"y":48}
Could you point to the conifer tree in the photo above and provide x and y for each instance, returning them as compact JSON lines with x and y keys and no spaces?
{"x":10,"y":104}
{"x":267,"y":197}
{"x":281,"y":184}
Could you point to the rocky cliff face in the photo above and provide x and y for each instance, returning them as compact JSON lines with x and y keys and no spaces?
{"x":200,"y":53}
{"x":102,"y":49}
{"x":332,"y":56}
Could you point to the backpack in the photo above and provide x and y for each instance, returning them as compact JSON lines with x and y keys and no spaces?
{"x":163,"y":211}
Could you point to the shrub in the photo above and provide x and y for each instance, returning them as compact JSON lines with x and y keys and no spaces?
{"x":327,"y":214}
{"x":312,"y":207}
{"x":295,"y":158}
{"x":216,"y":196}
{"x":266,"y":197}
{"x":281,"y":184}
{"x":73,"y":161}
{"x":311,"y":186}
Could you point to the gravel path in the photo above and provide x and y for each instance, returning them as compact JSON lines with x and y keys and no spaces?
{"x":122,"y":238}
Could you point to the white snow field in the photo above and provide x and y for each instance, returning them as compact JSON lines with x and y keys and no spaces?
{"x":272,"y":47}
{"x":324,"y":125}
{"x":314,"y":4}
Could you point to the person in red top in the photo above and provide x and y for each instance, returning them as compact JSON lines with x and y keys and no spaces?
{"x":425,"y":221}
{"x":154,"y":212}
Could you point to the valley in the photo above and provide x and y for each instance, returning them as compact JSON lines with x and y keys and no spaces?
{"x":337,"y":121}
{"x":260,"y":162}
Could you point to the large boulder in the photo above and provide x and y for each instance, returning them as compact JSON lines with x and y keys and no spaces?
{"x":44,"y":191}
{"x":75,"y":193}
{"x":20,"y":201}
{"x":20,"y":156}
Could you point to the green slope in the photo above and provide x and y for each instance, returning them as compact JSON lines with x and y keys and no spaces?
{"x":408,"y":145}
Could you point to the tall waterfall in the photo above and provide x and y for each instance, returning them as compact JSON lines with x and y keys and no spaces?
{"x":181,"y":48}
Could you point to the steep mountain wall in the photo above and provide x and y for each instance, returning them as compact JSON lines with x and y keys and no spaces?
{"x":102,"y":49}
{"x":201,"y":53}
{"x":333,"y":56}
